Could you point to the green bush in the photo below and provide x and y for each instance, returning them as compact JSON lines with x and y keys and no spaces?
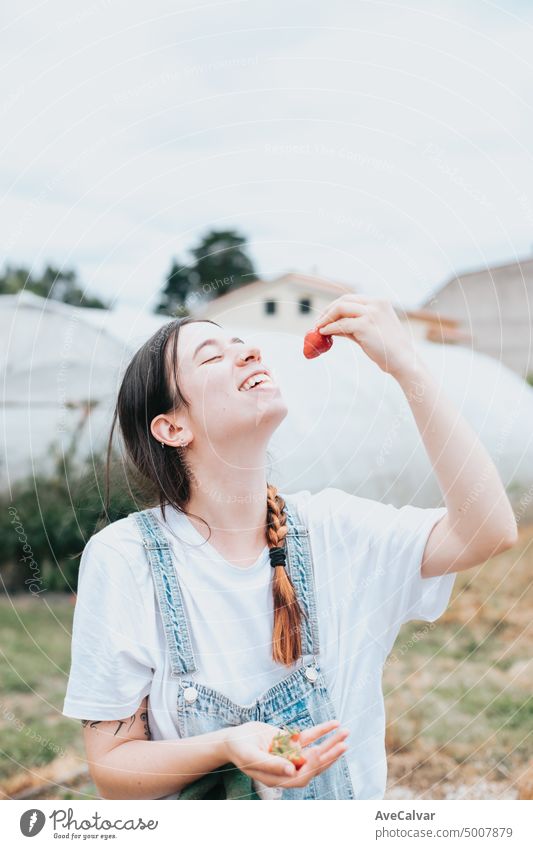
{"x":47,"y":520}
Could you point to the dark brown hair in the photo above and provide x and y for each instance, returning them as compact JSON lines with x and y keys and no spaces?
{"x":145,"y":392}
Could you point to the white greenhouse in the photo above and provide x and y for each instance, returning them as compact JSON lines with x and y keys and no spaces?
{"x":349,"y":424}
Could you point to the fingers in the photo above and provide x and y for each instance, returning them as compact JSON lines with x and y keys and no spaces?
{"x":347,"y":305}
{"x":319,"y":758}
{"x":273,"y":765}
{"x":326,"y":758}
{"x":332,"y":741}
{"x":322,"y":760}
{"x":313,"y":767}
{"x":346,"y":326}
{"x":271,"y":769}
{"x":308,"y":735}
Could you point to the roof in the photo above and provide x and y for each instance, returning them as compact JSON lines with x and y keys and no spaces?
{"x":308,"y":281}
{"x":518,"y":264}
{"x":305,"y":281}
{"x":448,"y":334}
{"x":432,"y":317}
{"x":320,"y":284}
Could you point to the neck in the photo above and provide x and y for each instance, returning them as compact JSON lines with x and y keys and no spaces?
{"x":233,"y":501}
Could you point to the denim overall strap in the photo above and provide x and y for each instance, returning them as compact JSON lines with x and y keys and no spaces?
{"x":300,"y":568}
{"x":168,"y":594}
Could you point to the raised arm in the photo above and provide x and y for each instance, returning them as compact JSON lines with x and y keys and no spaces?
{"x":480,"y":520}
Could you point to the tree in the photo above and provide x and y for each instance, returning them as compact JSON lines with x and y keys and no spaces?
{"x":55,"y":283}
{"x":174,"y":295}
{"x":13,"y":280}
{"x":219,"y":264}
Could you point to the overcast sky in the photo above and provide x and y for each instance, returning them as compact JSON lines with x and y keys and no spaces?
{"x":385,"y":145}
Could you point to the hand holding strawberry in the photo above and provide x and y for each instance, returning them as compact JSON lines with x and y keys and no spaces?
{"x":248,"y":747}
{"x":374,"y":325}
{"x":309,"y":761}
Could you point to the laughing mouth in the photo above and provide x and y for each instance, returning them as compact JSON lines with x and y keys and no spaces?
{"x":256,"y":380}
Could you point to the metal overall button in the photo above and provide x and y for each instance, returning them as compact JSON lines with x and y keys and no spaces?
{"x":311,"y":672}
{"x":190,"y":694}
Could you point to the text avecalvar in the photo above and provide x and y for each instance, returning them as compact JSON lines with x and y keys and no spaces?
{"x":404,"y":815}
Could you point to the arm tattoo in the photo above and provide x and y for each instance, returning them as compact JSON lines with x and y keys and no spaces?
{"x":120,"y":722}
{"x":144,"y":718}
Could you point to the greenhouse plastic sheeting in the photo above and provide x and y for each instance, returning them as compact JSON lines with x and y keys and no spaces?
{"x":348,"y":425}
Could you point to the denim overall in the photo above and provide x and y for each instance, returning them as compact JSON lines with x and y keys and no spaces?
{"x":300,"y":699}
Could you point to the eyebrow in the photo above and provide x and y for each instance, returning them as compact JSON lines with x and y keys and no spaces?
{"x":213,"y":342}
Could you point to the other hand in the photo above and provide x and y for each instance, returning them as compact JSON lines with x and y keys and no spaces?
{"x":247,"y":747}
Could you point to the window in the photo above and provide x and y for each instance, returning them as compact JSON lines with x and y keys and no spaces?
{"x":305,"y":305}
{"x":270,"y":307}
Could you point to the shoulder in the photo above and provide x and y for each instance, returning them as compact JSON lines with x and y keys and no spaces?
{"x":332,"y":504}
{"x":116,"y":549}
{"x":121,"y":534}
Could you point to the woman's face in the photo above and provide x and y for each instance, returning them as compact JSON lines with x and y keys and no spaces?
{"x":213,"y":368}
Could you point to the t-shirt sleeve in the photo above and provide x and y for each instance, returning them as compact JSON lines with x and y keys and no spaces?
{"x":402,"y":551}
{"x":111,"y":668}
{"x":384,"y":545}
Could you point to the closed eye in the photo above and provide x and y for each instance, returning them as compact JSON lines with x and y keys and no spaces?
{"x":218,"y":356}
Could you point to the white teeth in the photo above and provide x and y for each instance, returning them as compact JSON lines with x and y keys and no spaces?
{"x":257,"y":378}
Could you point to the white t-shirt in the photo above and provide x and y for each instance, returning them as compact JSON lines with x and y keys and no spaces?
{"x":367,"y":558}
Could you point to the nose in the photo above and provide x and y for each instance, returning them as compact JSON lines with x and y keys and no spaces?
{"x":249,"y":352}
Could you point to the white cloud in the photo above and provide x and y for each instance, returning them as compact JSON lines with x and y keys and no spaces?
{"x":384,"y":145}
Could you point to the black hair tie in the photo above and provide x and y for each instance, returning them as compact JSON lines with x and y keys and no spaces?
{"x":277,"y":556}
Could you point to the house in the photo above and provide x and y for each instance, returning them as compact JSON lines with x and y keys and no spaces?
{"x":495,"y":304}
{"x":291,"y":303}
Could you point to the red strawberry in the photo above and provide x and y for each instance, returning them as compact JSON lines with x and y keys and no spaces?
{"x":316,"y":343}
{"x":287,"y":744}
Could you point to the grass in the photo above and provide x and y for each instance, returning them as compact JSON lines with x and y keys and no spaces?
{"x":34,"y":664}
{"x":458,"y":701}
{"x":462,"y":694}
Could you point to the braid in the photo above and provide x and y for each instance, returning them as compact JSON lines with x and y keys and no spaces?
{"x":286,"y":638}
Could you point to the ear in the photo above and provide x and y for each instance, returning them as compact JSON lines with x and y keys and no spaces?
{"x":166,"y":429}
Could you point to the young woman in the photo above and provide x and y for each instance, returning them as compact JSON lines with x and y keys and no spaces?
{"x":227,"y":609}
